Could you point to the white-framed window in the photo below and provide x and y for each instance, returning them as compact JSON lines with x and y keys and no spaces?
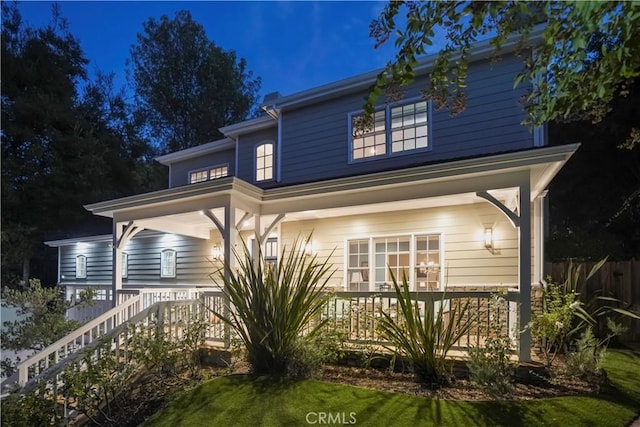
{"x":125,"y":265}
{"x":397,"y":129}
{"x":417,"y":256}
{"x":212,"y":172}
{"x":264,"y":162}
{"x":81,"y":267}
{"x":358,"y":265}
{"x":168,"y":263}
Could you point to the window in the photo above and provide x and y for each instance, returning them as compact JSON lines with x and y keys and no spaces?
{"x":81,"y":267}
{"x":264,"y":162}
{"x":168,"y":263}
{"x":358,"y":265}
{"x":417,"y":257}
{"x":213,"y":172}
{"x":271,"y":252}
{"x":396,"y":129}
{"x":125,"y":265}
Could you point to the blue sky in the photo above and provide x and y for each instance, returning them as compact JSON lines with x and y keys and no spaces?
{"x":293,"y":46}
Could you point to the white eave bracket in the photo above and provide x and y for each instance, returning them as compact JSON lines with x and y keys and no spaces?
{"x":511,"y":215}
{"x":130,"y":230}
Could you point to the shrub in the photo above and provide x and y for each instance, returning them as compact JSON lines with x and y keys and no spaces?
{"x":276,"y":311}
{"x":586,"y":361}
{"x":490,"y":367}
{"x":424,"y":340}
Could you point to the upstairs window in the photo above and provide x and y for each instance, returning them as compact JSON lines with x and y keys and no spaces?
{"x":264,"y":162}
{"x":168,"y":263}
{"x":81,"y":267}
{"x":396,"y":129}
{"x":213,"y":172}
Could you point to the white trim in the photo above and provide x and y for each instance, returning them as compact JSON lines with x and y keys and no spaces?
{"x":207,"y":169}
{"x":175,"y":264}
{"x":273,"y":161}
{"x":439,"y":174}
{"x":200,"y":150}
{"x":247,"y":126}
{"x":388,"y":131}
{"x":81,"y":267}
{"x":412,"y":256}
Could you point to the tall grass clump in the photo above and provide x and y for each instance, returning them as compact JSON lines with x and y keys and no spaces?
{"x":425,"y":339}
{"x":275,"y":310}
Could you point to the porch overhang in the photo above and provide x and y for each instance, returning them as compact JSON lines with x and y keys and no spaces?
{"x":179,"y":209}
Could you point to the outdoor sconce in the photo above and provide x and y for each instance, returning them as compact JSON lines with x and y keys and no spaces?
{"x":309,"y":250}
{"x":488,"y":238}
{"x":216,"y":253}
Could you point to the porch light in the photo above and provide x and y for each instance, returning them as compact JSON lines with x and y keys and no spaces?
{"x":216,"y":253}
{"x":309,"y":249}
{"x":488,"y":238}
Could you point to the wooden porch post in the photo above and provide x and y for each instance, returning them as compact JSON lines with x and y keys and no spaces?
{"x":524,"y":269}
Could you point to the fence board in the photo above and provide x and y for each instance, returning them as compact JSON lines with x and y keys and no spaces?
{"x":620,"y":279}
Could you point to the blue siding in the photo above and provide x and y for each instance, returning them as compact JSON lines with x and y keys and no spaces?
{"x":316,"y":137}
{"x":193,"y":262}
{"x":180,"y":170}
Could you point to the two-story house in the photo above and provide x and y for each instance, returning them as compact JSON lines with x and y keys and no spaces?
{"x":452,"y":202}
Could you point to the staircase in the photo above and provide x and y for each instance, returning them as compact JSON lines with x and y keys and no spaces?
{"x":135,"y":308}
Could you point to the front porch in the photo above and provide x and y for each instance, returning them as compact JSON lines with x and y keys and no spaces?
{"x":469,"y":226}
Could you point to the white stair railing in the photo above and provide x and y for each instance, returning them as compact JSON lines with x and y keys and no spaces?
{"x":77,"y":339}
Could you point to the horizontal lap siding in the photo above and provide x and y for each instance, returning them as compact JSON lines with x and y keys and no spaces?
{"x":180,"y":170}
{"x":466,"y":261}
{"x":98,"y":262}
{"x":316,"y":137}
{"x":193,"y":256}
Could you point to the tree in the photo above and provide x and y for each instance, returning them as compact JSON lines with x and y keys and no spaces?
{"x":42,"y":314}
{"x":186,"y":86}
{"x":589,"y":53}
{"x":63,"y":144}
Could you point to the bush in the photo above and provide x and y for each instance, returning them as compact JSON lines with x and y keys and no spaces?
{"x":490,"y":367}
{"x":276,"y":311}
{"x":424,"y":340}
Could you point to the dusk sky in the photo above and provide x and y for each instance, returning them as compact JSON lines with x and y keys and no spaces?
{"x":293,"y":46}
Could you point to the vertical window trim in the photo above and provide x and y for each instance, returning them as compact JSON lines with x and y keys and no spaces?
{"x":81,"y":266}
{"x":388,"y":132}
{"x":174,"y":256}
{"x":255,"y":161}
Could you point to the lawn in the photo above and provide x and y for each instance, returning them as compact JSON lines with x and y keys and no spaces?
{"x":244,"y":400}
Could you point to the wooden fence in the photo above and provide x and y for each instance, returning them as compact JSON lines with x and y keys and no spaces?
{"x":620,"y":279}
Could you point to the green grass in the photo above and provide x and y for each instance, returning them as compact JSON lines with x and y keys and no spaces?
{"x":243,"y":400}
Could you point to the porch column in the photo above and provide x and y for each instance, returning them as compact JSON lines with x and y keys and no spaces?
{"x":230,"y":236}
{"x":256,"y":246}
{"x":524,"y":268}
{"x":116,"y":271}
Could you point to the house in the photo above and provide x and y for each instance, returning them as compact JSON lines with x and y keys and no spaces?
{"x":452,"y":202}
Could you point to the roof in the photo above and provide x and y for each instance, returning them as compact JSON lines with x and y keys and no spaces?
{"x":189,"y":153}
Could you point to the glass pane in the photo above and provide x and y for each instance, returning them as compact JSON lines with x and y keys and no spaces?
{"x":422,"y":142}
{"x":396,"y":147}
{"x":404,"y":245}
{"x":268,"y":174}
{"x":268,"y":149}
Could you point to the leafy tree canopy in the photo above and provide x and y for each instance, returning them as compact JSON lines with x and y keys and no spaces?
{"x":186,"y":86}
{"x":589,"y":52}
{"x":66,"y":141}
